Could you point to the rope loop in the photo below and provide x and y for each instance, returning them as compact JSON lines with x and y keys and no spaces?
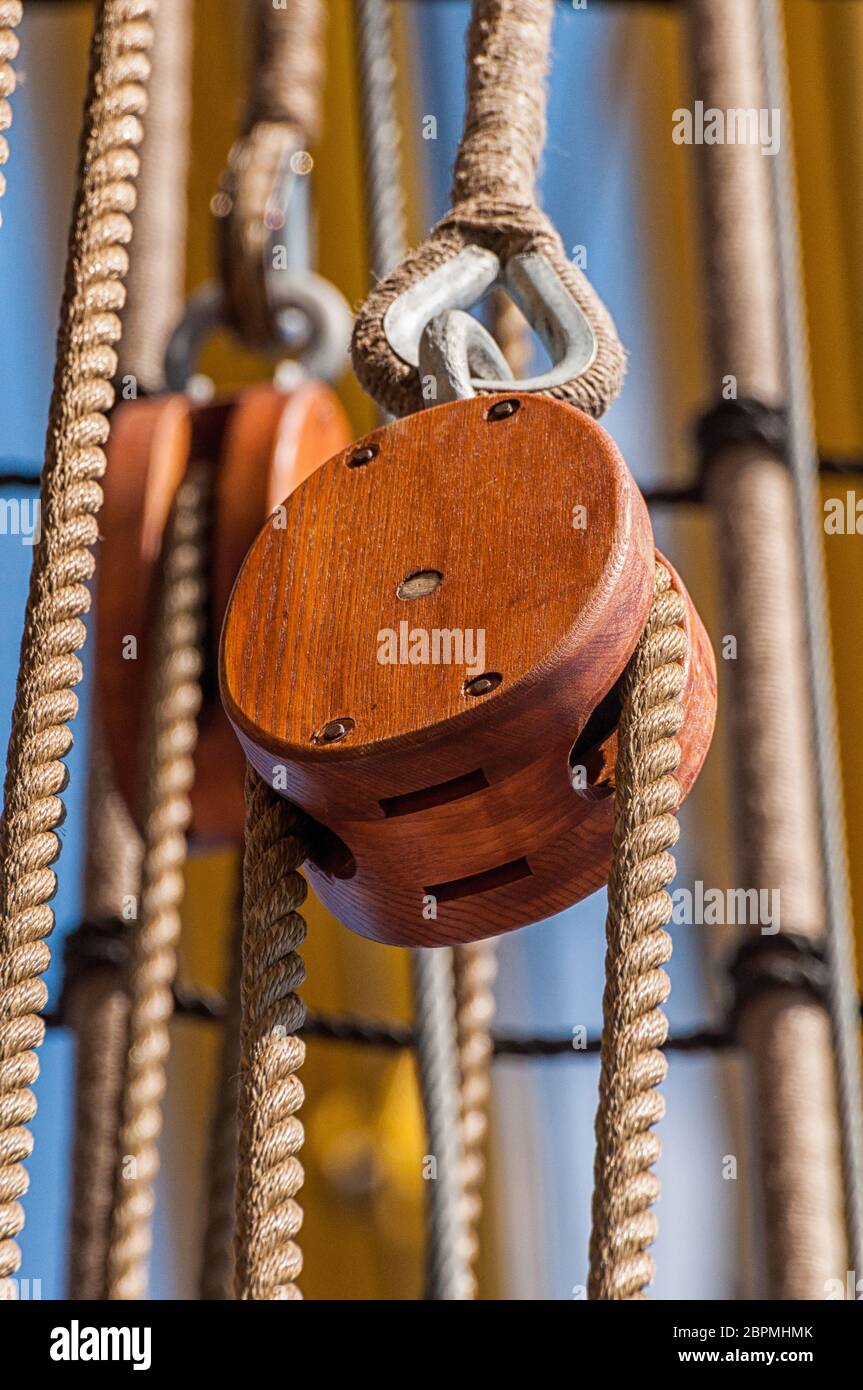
{"x":282,"y":121}
{"x":494,"y":209}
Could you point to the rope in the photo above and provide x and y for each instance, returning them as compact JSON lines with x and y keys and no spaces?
{"x":170,"y":739}
{"x":752,"y":495}
{"x":449,"y":1276}
{"x":11,"y":14}
{"x":217,"y":1264}
{"x":386,"y":217}
{"x":96,"y":1008}
{"x":283,"y":118}
{"x":493,"y":205}
{"x":803,"y":458}
{"x":270,"y":1175}
{"x":634,"y":1027}
{"x":53,"y":631}
{"x":475,"y":968}
{"x":156,"y":284}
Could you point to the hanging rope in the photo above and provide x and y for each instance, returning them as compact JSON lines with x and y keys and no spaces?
{"x":11,"y":14}
{"x":634,"y":1027}
{"x":475,"y":968}
{"x":169,"y":744}
{"x":787,"y":1033}
{"x":270,"y":1175}
{"x":804,"y":462}
{"x":282,"y":122}
{"x":95,"y":1006}
{"x":156,"y":284}
{"x":53,"y":631}
{"x":448,"y":1271}
{"x":385,"y":212}
{"x":493,"y":205}
{"x":217,"y":1263}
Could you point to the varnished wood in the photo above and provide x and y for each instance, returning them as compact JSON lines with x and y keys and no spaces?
{"x":261,"y":443}
{"x":430,"y":790}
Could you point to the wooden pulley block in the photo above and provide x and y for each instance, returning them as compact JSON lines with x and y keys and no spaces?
{"x":426,"y":659}
{"x":261,"y":443}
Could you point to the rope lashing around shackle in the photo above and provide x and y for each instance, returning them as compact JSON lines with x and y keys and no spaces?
{"x":62,"y":564}
{"x":270,"y":1175}
{"x":169,"y":745}
{"x":634,"y":1027}
{"x":494,"y":207}
{"x":283,"y":119}
{"x":11,"y":14}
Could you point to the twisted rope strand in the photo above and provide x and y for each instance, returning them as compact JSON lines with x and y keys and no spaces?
{"x":53,"y":631}
{"x":634,"y":1027}
{"x":475,"y":968}
{"x":270,"y":1175}
{"x":11,"y":14}
{"x":170,"y":745}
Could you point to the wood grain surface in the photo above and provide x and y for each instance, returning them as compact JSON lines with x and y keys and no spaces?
{"x":423,"y":788}
{"x":261,"y":443}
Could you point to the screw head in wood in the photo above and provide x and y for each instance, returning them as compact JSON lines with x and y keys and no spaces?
{"x":358,"y":458}
{"x":502,"y":410}
{"x":484,"y":684}
{"x":419,"y":584}
{"x":334,"y":731}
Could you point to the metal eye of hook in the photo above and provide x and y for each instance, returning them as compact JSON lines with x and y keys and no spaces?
{"x":310,"y":313}
{"x":534,"y":285}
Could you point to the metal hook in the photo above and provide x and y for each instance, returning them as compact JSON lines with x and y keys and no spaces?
{"x":311,"y":314}
{"x":535,"y":286}
{"x":453,"y":346}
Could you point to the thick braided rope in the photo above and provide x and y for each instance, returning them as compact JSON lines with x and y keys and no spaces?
{"x":11,"y":14}
{"x":217,"y":1262}
{"x":270,"y":1175}
{"x":283,"y":119}
{"x":493,"y":205}
{"x":53,"y":631}
{"x":475,"y":969}
{"x":634,"y":1027}
{"x":170,"y":738}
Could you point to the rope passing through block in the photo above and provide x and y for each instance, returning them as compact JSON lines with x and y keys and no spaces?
{"x":634,"y":1027}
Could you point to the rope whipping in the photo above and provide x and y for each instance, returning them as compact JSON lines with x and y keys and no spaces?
{"x":804,"y":463}
{"x":270,"y":1175}
{"x":634,"y":1027}
{"x":787,"y":1033}
{"x":493,"y":206}
{"x":49,"y":669}
{"x":282,"y":121}
{"x":170,"y":737}
{"x":11,"y":14}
